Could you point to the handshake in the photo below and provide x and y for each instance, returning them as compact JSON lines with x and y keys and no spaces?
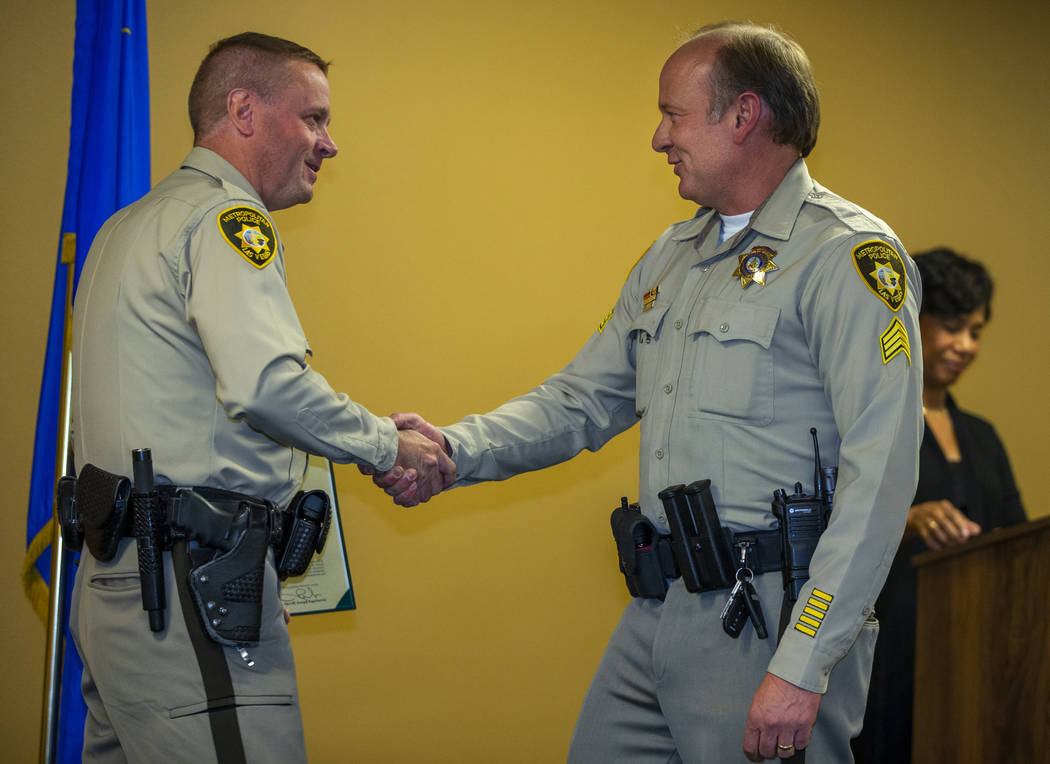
{"x":423,"y":467}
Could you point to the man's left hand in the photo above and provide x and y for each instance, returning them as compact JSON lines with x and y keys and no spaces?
{"x":780,"y":720}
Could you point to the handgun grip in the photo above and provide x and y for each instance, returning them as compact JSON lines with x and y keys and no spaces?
{"x":202,"y":521}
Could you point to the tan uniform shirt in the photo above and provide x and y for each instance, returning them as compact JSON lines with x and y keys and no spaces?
{"x":186,"y":342}
{"x":727,"y":380}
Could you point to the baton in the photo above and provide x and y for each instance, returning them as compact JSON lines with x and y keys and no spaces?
{"x":147,"y":538}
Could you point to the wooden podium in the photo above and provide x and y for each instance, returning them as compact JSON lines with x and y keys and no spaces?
{"x":982,"y":654}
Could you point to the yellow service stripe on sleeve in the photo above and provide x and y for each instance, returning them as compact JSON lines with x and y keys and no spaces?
{"x":813,"y":612}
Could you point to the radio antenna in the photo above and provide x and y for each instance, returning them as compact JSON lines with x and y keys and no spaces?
{"x":818,"y":487}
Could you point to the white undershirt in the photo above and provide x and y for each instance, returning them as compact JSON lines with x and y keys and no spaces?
{"x":731,"y":224}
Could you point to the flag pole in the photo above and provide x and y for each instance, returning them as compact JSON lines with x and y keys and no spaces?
{"x":59,"y":574}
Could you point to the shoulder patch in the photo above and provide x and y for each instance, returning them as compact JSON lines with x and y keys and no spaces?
{"x":250,"y":233}
{"x":882,"y":270}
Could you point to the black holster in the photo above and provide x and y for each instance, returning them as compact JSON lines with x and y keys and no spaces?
{"x":228,"y":564}
{"x":228,"y":588}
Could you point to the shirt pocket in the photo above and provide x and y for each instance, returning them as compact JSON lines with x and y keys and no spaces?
{"x":731,"y":363}
{"x":644,"y":336}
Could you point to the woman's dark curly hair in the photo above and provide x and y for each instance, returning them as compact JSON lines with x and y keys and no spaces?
{"x":953,"y":285}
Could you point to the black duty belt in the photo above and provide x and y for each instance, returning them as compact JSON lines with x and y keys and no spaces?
{"x":96,"y":507}
{"x":226,"y":534}
{"x":761,"y":550}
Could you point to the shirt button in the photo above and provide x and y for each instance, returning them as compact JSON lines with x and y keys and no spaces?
{"x":678,"y":324}
{"x":723,"y":327}
{"x":659,"y":453}
{"x":668,"y":388}
{"x":707,"y":268}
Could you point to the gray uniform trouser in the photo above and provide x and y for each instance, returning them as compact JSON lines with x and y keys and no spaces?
{"x":145,"y":696}
{"x":673,"y":687}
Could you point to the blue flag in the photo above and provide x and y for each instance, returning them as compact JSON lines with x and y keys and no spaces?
{"x":109,"y":168}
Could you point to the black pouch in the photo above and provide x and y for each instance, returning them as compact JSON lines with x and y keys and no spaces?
{"x":699,"y":542}
{"x":306,"y":524}
{"x":228,"y":588}
{"x":102,"y":506}
{"x":640,"y":548}
{"x":68,"y":517}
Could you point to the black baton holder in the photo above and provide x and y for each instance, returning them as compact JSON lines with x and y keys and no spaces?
{"x":148,"y":538}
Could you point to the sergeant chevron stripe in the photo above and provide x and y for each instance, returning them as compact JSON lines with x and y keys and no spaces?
{"x":894,"y":340}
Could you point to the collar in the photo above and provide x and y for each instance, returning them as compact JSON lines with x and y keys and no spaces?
{"x":775,"y":217}
{"x":207,"y":161}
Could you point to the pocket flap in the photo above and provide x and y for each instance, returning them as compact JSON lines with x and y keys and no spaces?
{"x":725,"y":320}
{"x":647,"y":323}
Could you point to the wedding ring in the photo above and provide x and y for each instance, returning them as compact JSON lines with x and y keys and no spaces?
{"x":932,"y":523}
{"x":784,"y":747}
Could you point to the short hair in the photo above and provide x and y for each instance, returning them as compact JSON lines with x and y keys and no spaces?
{"x":953,"y":285}
{"x":764,"y":61}
{"x":250,"y":60}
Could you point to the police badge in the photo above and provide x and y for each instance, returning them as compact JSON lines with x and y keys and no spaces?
{"x":754,"y":266}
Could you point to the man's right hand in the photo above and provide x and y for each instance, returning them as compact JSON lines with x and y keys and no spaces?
{"x":422,"y":470}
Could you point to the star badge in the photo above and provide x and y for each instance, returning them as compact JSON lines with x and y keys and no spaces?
{"x":253,"y":237}
{"x":754,"y":266}
{"x":888,"y":278}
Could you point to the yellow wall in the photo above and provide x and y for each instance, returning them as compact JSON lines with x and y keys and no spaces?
{"x":495,"y":185}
